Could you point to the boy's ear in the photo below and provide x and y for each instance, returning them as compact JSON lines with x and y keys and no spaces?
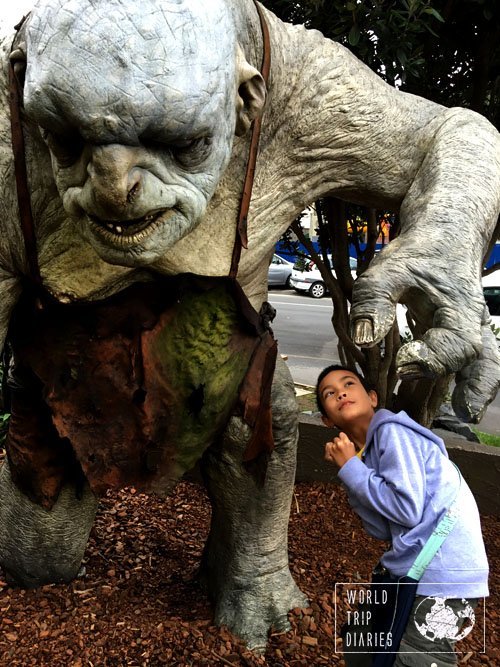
{"x":373,"y":398}
{"x":327,"y":421}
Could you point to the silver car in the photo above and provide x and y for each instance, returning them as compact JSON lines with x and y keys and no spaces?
{"x":310,"y":280}
{"x":279,"y":272}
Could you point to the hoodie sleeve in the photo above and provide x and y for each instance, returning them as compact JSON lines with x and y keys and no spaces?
{"x":397,"y":489}
{"x":375,"y":525}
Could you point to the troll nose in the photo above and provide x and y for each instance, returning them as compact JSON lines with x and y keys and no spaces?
{"x":115,"y":177}
{"x":133,"y":185}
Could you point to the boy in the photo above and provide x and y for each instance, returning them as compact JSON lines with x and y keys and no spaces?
{"x":401,"y":483}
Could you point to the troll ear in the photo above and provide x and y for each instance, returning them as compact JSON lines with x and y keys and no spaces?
{"x":17,"y":58}
{"x":17,"y":55}
{"x":251,"y":95}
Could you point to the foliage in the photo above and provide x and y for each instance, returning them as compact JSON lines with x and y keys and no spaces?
{"x":445,"y":50}
{"x":4,"y":416}
{"x":461,"y":67}
{"x":335,"y":236}
{"x":487,"y":438}
{"x":342,"y":226}
{"x":387,"y":35}
{"x":4,"y":423}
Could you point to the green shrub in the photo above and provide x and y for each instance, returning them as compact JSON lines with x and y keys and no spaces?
{"x":4,"y":416}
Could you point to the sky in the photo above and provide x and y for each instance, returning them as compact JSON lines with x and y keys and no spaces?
{"x":11,"y":12}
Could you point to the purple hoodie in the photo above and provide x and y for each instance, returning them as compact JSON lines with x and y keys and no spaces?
{"x":401,"y":488}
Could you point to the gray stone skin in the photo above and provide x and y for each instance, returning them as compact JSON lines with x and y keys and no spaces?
{"x":39,"y":547}
{"x":245,"y":564}
{"x":140,"y":112}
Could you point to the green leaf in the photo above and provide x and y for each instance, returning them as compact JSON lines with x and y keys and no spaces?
{"x":354,"y":35}
{"x":401,"y":56}
{"x":434,"y":34}
{"x":435,"y":13}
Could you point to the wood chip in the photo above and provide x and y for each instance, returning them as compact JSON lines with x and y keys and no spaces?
{"x":140,"y":604}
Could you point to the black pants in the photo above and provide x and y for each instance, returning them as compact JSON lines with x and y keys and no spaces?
{"x":376,"y":629}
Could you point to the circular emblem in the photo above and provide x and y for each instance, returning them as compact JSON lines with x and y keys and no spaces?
{"x":443,"y":622}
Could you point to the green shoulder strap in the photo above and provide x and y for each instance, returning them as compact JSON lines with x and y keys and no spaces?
{"x":438,"y":536}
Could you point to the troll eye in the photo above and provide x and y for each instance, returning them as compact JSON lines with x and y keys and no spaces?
{"x":191,"y":153}
{"x":66,"y":148}
{"x":188,"y":153}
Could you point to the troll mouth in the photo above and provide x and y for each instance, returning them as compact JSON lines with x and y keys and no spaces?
{"x":122,"y":228}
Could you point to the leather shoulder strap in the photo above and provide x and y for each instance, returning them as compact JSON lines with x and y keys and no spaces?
{"x":241,"y":238}
{"x":16,"y":65}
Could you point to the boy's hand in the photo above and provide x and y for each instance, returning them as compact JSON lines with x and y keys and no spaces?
{"x":340,"y":450}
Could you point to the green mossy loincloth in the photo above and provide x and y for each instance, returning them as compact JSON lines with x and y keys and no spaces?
{"x":134,"y":387}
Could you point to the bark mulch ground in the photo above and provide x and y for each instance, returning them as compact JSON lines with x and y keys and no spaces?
{"x":139,"y":603}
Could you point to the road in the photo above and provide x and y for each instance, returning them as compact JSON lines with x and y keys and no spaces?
{"x":305,"y":334}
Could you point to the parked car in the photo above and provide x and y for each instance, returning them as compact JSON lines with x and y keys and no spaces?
{"x":309,"y":278}
{"x":279,"y":272}
{"x":491,"y":291}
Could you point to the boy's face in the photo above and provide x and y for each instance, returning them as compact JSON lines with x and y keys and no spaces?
{"x":345,"y":400}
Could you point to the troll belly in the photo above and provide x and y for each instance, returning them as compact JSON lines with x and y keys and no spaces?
{"x":135,"y":387}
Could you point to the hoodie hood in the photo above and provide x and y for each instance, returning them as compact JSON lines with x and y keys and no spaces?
{"x":383,"y":416}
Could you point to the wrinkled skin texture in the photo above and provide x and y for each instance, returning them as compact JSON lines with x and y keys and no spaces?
{"x":60,"y":535}
{"x":136,"y":131}
{"x":255,"y":591}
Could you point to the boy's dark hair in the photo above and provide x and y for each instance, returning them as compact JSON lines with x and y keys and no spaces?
{"x":338,"y":367}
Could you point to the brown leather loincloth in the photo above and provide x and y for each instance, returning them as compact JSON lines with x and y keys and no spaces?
{"x":135,"y":387}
